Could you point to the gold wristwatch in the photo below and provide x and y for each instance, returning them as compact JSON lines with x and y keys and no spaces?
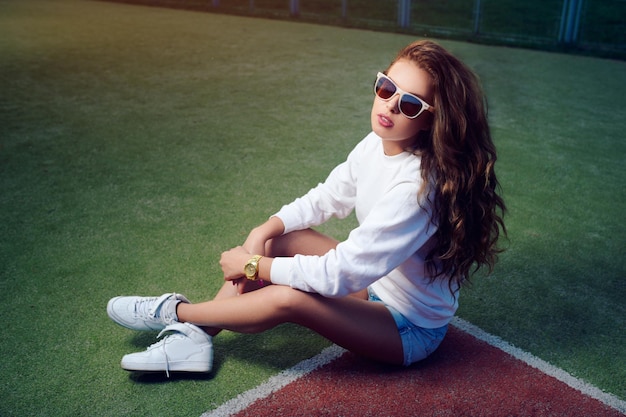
{"x":252,"y":268}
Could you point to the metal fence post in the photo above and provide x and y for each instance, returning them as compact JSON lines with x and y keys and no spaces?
{"x":477,"y":11}
{"x":570,"y":21}
{"x":404,"y":13}
{"x":294,"y":7}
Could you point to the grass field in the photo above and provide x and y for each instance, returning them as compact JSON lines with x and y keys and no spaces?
{"x":129,"y":137}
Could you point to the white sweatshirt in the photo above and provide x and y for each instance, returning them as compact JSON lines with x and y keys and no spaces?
{"x":386,"y":251}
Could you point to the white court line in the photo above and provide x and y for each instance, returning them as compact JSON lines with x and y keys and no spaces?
{"x":548,"y":369}
{"x":331,"y":353}
{"x":276,"y":382}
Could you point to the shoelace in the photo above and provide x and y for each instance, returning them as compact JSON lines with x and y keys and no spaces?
{"x":143,"y":307}
{"x":180,"y":330}
{"x":167,"y":359}
{"x":152,"y":308}
{"x":161,"y":344}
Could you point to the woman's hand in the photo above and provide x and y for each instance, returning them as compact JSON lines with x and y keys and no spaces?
{"x":233,"y":261}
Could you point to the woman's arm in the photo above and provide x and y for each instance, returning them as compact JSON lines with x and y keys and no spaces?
{"x":234,"y":260}
{"x":258,"y":237}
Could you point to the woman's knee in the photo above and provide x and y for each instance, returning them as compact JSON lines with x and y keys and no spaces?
{"x":288,"y":301}
{"x":300,"y":242}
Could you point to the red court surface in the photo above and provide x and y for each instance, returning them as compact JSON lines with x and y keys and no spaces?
{"x":465,"y":377}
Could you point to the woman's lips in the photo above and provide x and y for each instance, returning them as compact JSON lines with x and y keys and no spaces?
{"x":384,"y":121}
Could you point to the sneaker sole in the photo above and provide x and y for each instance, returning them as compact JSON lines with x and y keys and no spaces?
{"x":198,"y":367}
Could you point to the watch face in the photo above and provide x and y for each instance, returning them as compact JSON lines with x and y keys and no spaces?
{"x":250,"y":270}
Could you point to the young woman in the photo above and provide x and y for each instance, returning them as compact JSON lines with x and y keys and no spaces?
{"x":425,"y":193}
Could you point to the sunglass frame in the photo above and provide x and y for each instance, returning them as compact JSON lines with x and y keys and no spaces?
{"x":402,"y":93}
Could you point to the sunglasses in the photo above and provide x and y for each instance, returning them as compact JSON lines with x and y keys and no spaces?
{"x":409,"y":104}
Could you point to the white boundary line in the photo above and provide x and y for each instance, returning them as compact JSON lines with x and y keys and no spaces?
{"x":331,"y":353}
{"x":276,"y":382}
{"x":548,"y":369}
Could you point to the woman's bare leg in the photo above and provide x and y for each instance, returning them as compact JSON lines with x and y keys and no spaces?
{"x":358,"y":325}
{"x":361,"y":326}
{"x":304,"y":242}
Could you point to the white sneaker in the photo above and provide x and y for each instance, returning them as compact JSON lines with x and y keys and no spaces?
{"x":187,"y":349}
{"x":145,"y":313}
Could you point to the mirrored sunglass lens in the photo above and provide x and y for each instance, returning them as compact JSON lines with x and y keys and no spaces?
{"x":410,"y":106}
{"x":385,"y":88}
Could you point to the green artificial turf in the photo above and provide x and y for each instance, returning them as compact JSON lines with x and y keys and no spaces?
{"x":138,"y":143}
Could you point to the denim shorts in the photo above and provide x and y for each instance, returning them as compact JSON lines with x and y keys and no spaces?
{"x":417,"y":342}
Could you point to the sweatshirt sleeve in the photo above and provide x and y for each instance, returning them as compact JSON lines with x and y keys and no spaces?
{"x":392,"y":232}
{"x":333,"y":197}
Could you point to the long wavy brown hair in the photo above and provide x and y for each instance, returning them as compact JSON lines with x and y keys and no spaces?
{"x":458,"y":158}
